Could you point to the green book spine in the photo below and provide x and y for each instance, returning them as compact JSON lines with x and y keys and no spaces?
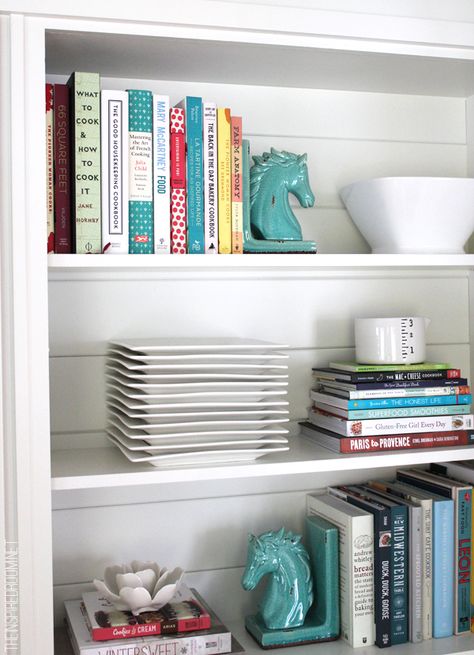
{"x":140,"y":139}
{"x":399,"y":586}
{"x":85,"y":150}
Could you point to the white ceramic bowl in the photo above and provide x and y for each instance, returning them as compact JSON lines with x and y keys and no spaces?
{"x":412,"y":214}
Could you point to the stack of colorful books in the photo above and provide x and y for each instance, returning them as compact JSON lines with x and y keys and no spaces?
{"x":365,"y":408}
{"x":186,"y":625}
{"x":405,"y":554}
{"x":128,"y":172}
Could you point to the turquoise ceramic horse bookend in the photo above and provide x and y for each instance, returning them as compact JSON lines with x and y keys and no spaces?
{"x":269,"y":224}
{"x":291,"y":612}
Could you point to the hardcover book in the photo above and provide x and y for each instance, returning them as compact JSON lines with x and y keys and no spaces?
{"x":356,"y":565}
{"x":114,"y":131}
{"x":382,"y":559}
{"x":62,"y":171}
{"x":194,"y":173}
{"x":49,"y":169}
{"x":178,"y":181}
{"x":395,"y":393}
{"x":353,"y":444}
{"x":140,"y":162}
{"x":85,"y":161}
{"x":236,"y":184}
{"x":183,"y":614}
{"x":210,"y":178}
{"x":396,"y":384}
{"x":338,"y":400}
{"x":395,"y":412}
{"x":368,"y":368}
{"x":224,"y":180}
{"x":462,"y":496}
{"x":386,"y":376}
{"x":386,"y":426}
{"x":161,"y":174}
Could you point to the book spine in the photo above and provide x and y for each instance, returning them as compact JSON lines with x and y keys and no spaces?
{"x":210,"y":178}
{"x":195,"y":197}
{"x":168,"y":627}
{"x":369,"y":368}
{"x":396,"y":412}
{"x":382,"y":564}
{"x":161,"y":174}
{"x":85,"y":162}
{"x":399,"y":580}
{"x":405,"y":441}
{"x":385,"y":376}
{"x":463,"y":561}
{"x":427,"y":563}
{"x":246,"y":191}
{"x":356,"y":572}
{"x":62,"y":171}
{"x":224,"y":180}
{"x":114,"y":131}
{"x":178,"y":181}
{"x":236,"y":184}
{"x":405,"y":393}
{"x":389,"y":426}
{"x":49,"y":89}
{"x":443,"y":569}
{"x":388,"y":403}
{"x":415,"y":575}
{"x":140,"y":161}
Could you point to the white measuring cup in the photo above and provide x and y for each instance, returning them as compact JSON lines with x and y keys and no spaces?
{"x":399,"y":340}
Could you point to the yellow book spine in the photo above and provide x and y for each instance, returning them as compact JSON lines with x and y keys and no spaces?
{"x":224,"y":180}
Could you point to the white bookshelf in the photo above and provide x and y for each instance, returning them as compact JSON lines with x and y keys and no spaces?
{"x":382,"y":95}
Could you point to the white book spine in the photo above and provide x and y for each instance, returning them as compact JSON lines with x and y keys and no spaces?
{"x":371,"y":427}
{"x":416,"y":575}
{"x":114,"y":163}
{"x":393,"y":393}
{"x":356,"y":570}
{"x":161,"y":174}
{"x":210,"y":177}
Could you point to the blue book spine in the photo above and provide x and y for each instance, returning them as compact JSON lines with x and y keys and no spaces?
{"x":399,"y":586}
{"x":195,"y":174}
{"x":443,"y":568}
{"x":140,"y":144}
{"x":415,"y":401}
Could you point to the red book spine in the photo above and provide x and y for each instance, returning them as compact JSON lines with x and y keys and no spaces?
{"x":406,"y":441}
{"x":178,"y":181}
{"x":167,"y":626}
{"x":62,"y":170}
{"x":49,"y":168}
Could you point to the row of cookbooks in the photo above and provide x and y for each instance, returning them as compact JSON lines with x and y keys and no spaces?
{"x":405,"y":554}
{"x":128,"y":173}
{"x":357,"y":408}
{"x":185,"y":625}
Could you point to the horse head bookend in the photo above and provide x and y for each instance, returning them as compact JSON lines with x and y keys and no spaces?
{"x":291,"y":612}
{"x":269,"y":224}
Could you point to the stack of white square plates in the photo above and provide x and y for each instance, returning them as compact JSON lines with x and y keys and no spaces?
{"x":184,"y":401}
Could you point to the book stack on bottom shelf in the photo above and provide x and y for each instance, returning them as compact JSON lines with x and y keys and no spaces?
{"x":364,"y":408}
{"x":404,"y":553}
{"x":187,"y":625}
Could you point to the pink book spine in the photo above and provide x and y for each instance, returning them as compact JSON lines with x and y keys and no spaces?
{"x":178,"y":181}
{"x":62,"y":171}
{"x":49,"y":168}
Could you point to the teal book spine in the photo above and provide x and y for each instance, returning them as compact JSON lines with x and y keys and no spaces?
{"x":195,"y":173}
{"x":140,"y":139}
{"x":399,"y":586}
{"x":443,"y":568}
{"x":463,"y":555}
{"x":378,"y":403}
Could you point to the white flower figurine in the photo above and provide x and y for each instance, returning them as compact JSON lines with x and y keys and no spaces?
{"x":139,"y":586}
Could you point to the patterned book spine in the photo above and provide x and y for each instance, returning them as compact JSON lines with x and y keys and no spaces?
{"x":210,"y":177}
{"x":194,"y":175}
{"x":140,"y":161}
{"x":399,"y":582}
{"x":463,"y":561}
{"x":49,"y":169}
{"x":114,"y":130}
{"x":62,"y":171}
{"x":224,"y":180}
{"x":85,"y":157}
{"x":161,"y":174}
{"x":178,"y":181}
{"x":236,"y":135}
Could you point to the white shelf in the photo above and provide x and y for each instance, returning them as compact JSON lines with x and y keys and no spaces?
{"x":316,"y":261}
{"x":75,"y":469}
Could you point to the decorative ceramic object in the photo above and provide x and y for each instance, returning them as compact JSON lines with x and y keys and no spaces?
{"x":269,"y":224}
{"x":413,"y":214}
{"x":288,"y":602}
{"x":139,"y":587}
{"x":399,"y":340}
